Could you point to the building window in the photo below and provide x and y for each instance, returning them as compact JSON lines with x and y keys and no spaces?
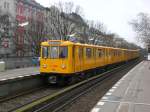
{"x":6,"y":5}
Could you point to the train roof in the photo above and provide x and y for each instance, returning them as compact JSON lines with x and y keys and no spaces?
{"x":63,"y":43}
{"x":56,"y":42}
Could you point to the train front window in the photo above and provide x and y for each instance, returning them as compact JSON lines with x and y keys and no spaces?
{"x":44,"y":52}
{"x":63,"y":52}
{"x":54,"y":52}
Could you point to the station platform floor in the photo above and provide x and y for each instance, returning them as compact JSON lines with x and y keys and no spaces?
{"x":130,"y":94}
{"x":18,"y":73}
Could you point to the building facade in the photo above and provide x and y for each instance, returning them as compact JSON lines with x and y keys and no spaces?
{"x":31,"y":11}
{"x":43,"y":23}
{"x":20,"y":11}
{"x":7,"y":18}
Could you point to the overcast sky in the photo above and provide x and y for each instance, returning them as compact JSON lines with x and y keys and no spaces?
{"x":115,"y":14}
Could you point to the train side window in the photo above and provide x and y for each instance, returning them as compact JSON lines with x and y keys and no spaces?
{"x":100,"y":52}
{"x":118,"y":53}
{"x":63,"y":52}
{"x":44,"y":52}
{"x":114,"y":53}
{"x":110,"y":53}
{"x":88,"y":52}
{"x":105,"y":52}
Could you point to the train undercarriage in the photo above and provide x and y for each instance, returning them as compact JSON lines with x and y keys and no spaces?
{"x":63,"y":79}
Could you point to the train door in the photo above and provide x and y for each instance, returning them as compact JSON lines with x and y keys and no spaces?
{"x":78,"y":58}
{"x":100,"y":57}
{"x":109,"y":56}
{"x":94,"y":56}
{"x":106,"y":56}
{"x":81,"y":58}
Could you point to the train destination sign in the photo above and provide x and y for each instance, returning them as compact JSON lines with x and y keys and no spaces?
{"x":54,"y":42}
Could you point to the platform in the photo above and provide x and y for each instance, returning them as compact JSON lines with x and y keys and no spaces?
{"x":130,"y":94}
{"x":18,"y":73}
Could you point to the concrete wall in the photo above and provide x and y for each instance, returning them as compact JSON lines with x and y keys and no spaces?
{"x":12,"y":87}
{"x":12,"y":63}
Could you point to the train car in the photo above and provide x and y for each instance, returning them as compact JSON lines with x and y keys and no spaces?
{"x":64,"y":61}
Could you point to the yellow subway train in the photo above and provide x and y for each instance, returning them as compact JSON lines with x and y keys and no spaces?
{"x":64,"y":61}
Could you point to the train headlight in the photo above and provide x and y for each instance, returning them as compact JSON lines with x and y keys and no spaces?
{"x":63,"y":66}
{"x":44,"y":65}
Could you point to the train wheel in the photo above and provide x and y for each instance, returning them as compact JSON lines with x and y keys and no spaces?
{"x":62,"y":81}
{"x":71,"y":80}
{"x":52,"y":79}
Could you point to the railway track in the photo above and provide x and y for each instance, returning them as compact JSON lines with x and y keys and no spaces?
{"x":4,"y":99}
{"x":61,"y":98}
{"x":15,"y":101}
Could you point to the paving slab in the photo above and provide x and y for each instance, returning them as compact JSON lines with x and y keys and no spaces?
{"x":130,"y":94}
{"x":18,"y":73}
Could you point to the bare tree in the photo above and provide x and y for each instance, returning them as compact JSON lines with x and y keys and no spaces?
{"x":109,"y":39}
{"x":61,"y":21}
{"x":34,"y":35}
{"x":119,"y":42}
{"x":141,"y":25}
{"x":96,"y":32}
